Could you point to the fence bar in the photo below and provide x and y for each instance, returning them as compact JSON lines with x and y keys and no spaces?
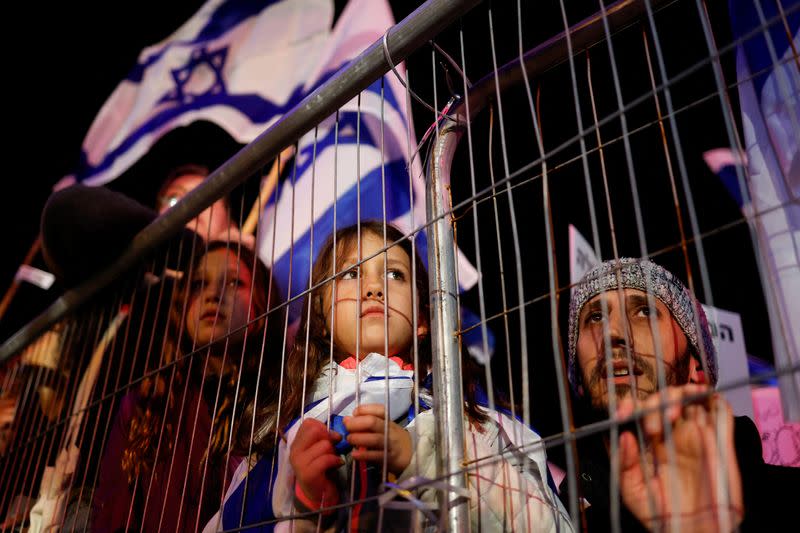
{"x":448,"y":407}
{"x":583,"y":35}
{"x":412,"y":32}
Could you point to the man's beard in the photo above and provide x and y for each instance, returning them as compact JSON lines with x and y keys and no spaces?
{"x":677,"y":374}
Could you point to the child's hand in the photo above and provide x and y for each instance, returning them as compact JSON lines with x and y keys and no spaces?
{"x":313,"y":459}
{"x":366,"y":434}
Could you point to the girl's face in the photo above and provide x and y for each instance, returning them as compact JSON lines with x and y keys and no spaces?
{"x":381,"y":288}
{"x":219,"y":297}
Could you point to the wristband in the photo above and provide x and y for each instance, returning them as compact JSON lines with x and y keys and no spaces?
{"x":307,"y":505}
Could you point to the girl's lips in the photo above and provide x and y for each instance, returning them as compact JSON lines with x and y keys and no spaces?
{"x":211,"y":315}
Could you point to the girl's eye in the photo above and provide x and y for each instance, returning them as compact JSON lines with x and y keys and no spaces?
{"x":395,"y":274}
{"x":350,"y":274}
{"x":642,"y":311}
{"x":237,"y":282}
{"x":196,"y":285}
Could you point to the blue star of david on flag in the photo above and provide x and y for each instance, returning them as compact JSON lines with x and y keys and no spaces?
{"x":240,"y":64}
{"x":199,"y":59}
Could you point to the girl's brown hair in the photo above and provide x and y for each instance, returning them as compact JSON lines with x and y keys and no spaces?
{"x":308,"y":359}
{"x":159,"y":400}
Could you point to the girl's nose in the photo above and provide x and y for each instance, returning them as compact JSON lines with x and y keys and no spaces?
{"x":372,"y":288}
{"x":213,"y":292}
{"x":375,"y":294}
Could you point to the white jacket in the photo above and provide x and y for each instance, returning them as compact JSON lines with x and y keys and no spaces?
{"x":506,"y":462}
{"x":506,"y":475}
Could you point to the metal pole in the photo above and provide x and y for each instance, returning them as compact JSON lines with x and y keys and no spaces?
{"x":449,"y":402}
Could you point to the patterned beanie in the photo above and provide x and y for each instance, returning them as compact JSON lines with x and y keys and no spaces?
{"x":642,"y":274}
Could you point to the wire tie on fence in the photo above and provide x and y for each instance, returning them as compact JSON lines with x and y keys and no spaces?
{"x":452,"y":63}
{"x":388,"y":58}
{"x":386,"y":499}
{"x":404,"y":490}
{"x":432,"y":127}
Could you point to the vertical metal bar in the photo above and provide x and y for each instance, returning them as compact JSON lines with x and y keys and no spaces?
{"x":448,"y":407}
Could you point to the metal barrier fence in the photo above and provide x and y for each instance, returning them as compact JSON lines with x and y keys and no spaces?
{"x":119,"y":386}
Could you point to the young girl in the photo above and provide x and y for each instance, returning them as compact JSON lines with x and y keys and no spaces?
{"x":338,"y":435}
{"x":164,"y":465}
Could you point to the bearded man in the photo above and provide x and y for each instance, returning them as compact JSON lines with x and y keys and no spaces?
{"x":641,"y":358}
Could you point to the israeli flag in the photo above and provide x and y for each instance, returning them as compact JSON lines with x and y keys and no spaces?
{"x":357,"y":165}
{"x":240,"y":64}
{"x":768,"y":70}
{"x":243,"y":64}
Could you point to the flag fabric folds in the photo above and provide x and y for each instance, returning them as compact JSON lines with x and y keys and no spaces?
{"x":242,"y":65}
{"x":356,"y":165}
{"x":768,"y":71}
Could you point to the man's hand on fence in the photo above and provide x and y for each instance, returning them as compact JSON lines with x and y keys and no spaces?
{"x":688,"y":473}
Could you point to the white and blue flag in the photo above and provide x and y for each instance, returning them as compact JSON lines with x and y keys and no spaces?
{"x":242,"y":64}
{"x":358,"y":165}
{"x":768,"y":70}
{"x":237,"y":63}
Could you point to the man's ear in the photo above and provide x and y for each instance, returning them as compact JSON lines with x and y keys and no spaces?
{"x":696,"y":374}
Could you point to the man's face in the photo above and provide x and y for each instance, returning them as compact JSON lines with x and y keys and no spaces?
{"x":213,"y":222}
{"x":633,"y":342}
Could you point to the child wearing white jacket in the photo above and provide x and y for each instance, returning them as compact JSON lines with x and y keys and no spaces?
{"x":358,"y":449}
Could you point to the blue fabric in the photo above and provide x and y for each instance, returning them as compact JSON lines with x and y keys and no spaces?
{"x":226,"y":17}
{"x":474,"y":337}
{"x":337,"y":424}
{"x":212,"y":49}
{"x":258,"y":498}
{"x":762,"y":48}
{"x":262,"y":477}
{"x":730,"y":179}
{"x":257,"y":501}
{"x":745,"y":20}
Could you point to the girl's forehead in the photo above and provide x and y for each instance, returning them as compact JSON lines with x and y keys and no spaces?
{"x":183,"y":184}
{"x":370,"y":245}
{"x":220,"y":259}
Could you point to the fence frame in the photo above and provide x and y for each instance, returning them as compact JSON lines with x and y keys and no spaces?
{"x":400,"y":41}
